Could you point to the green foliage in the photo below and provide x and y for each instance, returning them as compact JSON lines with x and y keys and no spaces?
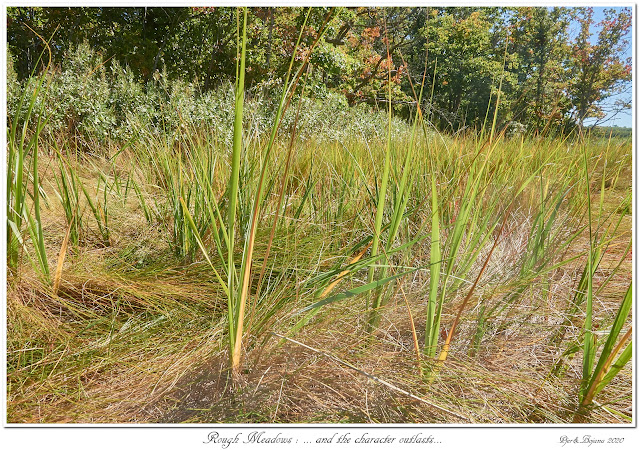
{"x":13,"y":87}
{"x":461,"y":41}
{"x":94,"y":105}
{"x":550,"y":80}
{"x":598,"y":71}
{"x":539,"y":43}
{"x":615,"y":132}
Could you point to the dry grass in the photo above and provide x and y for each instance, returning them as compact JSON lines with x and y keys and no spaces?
{"x":136,"y":335}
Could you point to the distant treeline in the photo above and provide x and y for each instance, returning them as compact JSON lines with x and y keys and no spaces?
{"x":545,"y":68}
{"x":615,"y":132}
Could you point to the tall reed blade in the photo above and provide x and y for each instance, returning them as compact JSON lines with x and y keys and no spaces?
{"x":589,"y":343}
{"x":432,"y":327}
{"x":235,"y":302}
{"x":381,"y":201}
{"x":240,"y":302}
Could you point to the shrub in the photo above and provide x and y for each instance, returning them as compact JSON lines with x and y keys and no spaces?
{"x":91,"y":102}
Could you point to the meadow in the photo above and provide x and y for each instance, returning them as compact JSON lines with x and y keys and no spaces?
{"x":318,"y":264}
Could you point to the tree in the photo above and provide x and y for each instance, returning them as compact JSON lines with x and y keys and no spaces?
{"x":464,"y":50}
{"x":598,"y":70}
{"x":137,"y":37}
{"x":539,"y":38}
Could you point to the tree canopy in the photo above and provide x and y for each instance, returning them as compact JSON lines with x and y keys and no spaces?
{"x":554,"y":67}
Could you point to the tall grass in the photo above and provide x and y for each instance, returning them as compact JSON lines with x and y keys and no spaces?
{"x":237,"y":283}
{"x":381,"y":198}
{"x":23,"y":181}
{"x":613,"y":356}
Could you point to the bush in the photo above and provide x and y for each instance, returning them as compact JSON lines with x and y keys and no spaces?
{"x":92,"y":103}
{"x":79,"y":97}
{"x":13,"y":87}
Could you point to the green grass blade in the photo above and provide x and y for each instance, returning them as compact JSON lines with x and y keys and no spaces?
{"x":196,"y":234}
{"x":619,"y":364}
{"x":356,"y":291}
{"x":595,"y":382}
{"x":432,"y":328}
{"x":234,"y":183}
{"x":589,"y":343}
{"x":381,"y":203}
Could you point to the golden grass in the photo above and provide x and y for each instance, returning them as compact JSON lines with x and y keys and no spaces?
{"x":135,"y":334}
